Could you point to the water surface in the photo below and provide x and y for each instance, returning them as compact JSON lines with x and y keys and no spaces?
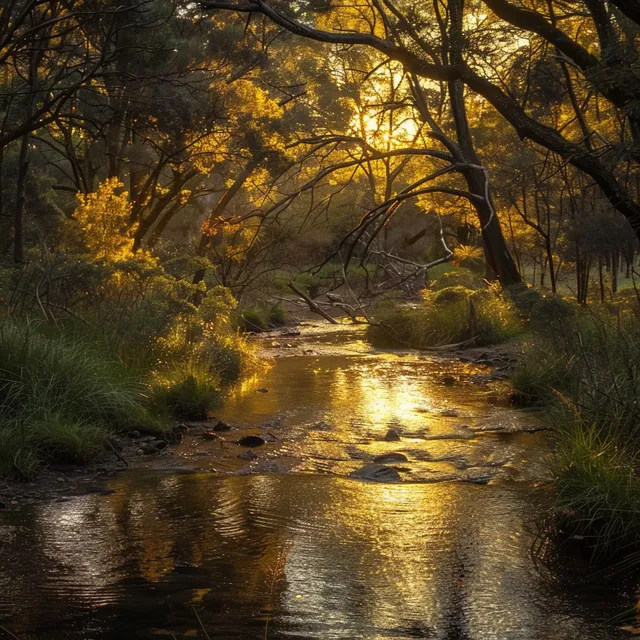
{"x":309,"y":552}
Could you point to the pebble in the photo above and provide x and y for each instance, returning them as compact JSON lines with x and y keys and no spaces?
{"x":376,"y":473}
{"x":251,"y":441}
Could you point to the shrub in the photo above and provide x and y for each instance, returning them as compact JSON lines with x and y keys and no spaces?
{"x":454,"y":277}
{"x":117,"y":321}
{"x":447,"y":316}
{"x":598,"y":482}
{"x":261,"y":318}
{"x":187,"y":391}
{"x":252,"y":321}
{"x":469,"y":257}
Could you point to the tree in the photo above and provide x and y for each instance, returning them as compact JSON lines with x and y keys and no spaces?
{"x":414,"y":47}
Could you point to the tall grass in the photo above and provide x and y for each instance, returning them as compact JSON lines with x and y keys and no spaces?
{"x":61,"y":398}
{"x":447,"y":316}
{"x":64,"y":392}
{"x":188,"y":390}
{"x":261,"y":318}
{"x":585,"y":367}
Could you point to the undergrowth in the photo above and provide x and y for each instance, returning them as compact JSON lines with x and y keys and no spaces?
{"x":61,"y":398}
{"x":584,"y":367}
{"x":446,"y":316}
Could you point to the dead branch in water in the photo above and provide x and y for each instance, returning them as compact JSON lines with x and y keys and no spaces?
{"x":311,"y":304}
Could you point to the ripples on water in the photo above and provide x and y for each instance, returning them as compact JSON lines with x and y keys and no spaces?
{"x":313,"y":554}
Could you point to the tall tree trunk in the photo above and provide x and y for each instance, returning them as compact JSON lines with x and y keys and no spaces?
{"x":499,"y":259}
{"x":550,"y":261}
{"x":21,"y":184}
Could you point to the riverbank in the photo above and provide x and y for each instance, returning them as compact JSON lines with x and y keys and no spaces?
{"x":193,"y":446}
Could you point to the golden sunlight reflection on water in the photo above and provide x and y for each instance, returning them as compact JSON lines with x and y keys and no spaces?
{"x":319,"y":557}
{"x":313,"y":554}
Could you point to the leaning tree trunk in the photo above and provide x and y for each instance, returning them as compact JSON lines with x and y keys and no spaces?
{"x":499,"y":259}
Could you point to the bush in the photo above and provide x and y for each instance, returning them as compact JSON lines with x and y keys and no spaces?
{"x":127,"y":341}
{"x":598,"y":483}
{"x":188,"y":391}
{"x":447,"y":316}
{"x":454,"y":277}
{"x":261,"y":318}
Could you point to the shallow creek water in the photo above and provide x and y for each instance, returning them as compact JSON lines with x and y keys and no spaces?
{"x":289,"y":546}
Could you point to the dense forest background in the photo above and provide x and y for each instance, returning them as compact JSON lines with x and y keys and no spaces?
{"x":498,"y":136}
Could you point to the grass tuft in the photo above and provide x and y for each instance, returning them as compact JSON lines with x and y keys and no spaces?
{"x":446,"y":316}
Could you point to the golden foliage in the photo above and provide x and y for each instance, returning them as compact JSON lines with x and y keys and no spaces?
{"x":467,"y":254}
{"x":104,"y":221}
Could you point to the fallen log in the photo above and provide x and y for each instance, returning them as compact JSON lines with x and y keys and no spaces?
{"x":311,"y":304}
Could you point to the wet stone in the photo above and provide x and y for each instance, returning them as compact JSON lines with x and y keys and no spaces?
{"x":392,"y":436}
{"x":248,"y":455}
{"x":148,"y":449}
{"x":449,"y":413}
{"x":221,"y":426}
{"x":376,"y":473}
{"x":478,"y":476}
{"x":251,"y":441}
{"x":388,"y":458}
{"x":103,"y":491}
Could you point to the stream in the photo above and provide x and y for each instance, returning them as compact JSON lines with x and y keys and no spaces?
{"x":290,"y":545}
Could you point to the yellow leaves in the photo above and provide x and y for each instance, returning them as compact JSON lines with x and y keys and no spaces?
{"x":103,"y":218}
{"x":251,"y":100}
{"x":184,"y":195}
{"x":211,"y":227}
{"x":356,"y":18}
{"x":209,"y":149}
{"x":251,"y":115}
{"x":465,"y":254}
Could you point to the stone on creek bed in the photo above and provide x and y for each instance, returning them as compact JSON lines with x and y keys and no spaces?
{"x":387,"y":458}
{"x":251,"y":441}
{"x":392,"y":436}
{"x":376,"y":473}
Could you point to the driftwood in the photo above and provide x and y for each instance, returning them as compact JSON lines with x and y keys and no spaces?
{"x":311,"y":304}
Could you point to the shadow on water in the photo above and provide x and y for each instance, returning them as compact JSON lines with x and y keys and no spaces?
{"x":320,"y":557}
{"x":312,"y":554}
